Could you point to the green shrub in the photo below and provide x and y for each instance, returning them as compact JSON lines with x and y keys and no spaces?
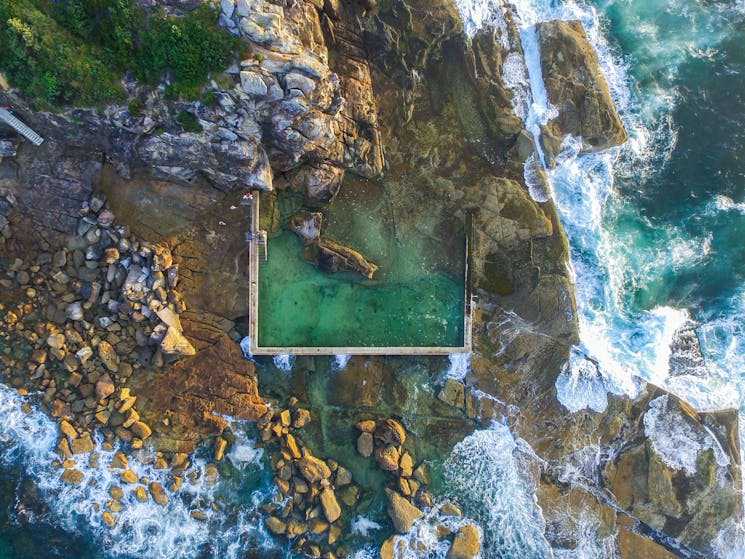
{"x":209,"y":98}
{"x":49,"y":63}
{"x":74,"y":51}
{"x":136,"y":107}
{"x":189,"y":122}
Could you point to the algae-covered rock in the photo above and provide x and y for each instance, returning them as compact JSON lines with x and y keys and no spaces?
{"x":453,"y":393}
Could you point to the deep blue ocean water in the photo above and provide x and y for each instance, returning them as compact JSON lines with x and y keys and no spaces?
{"x":656,"y":230}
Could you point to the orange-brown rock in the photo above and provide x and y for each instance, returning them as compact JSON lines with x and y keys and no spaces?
{"x":576,"y":86}
{"x":194,"y":392}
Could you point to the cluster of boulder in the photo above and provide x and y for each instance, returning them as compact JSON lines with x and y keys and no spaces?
{"x":325,"y":253}
{"x":386,"y":441}
{"x":280,"y":112}
{"x":133,"y":488}
{"x":85,"y":318}
{"x":306,"y":112}
{"x":308,"y":509}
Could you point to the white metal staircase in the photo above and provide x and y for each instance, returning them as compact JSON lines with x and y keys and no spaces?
{"x":8,"y":118}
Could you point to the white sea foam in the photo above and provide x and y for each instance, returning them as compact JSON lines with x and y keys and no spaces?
{"x":729,"y":543}
{"x":515,"y":77}
{"x":485,"y":472}
{"x":581,"y":386}
{"x":341,"y":362}
{"x":722,"y":203}
{"x":478,"y":13}
{"x":143,"y":530}
{"x":284,"y":362}
{"x":616,"y":344}
{"x":246,"y":347}
{"x":244,"y":452}
{"x":368,"y":552}
{"x":460,"y":365}
{"x":675,"y":440}
{"x":422,"y":541}
{"x":364,"y":526}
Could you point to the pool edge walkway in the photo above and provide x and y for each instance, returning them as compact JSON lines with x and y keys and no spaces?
{"x":253,"y":310}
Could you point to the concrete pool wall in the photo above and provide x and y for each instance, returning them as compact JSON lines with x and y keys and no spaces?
{"x":256,"y":253}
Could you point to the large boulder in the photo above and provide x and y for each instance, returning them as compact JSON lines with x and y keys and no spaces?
{"x":331,"y":508}
{"x":175,"y":343}
{"x":307,"y":226}
{"x":321,"y":183}
{"x":402,"y":513}
{"x":467,"y":543}
{"x":577,"y":88}
{"x":226,"y":164}
{"x":313,"y":469}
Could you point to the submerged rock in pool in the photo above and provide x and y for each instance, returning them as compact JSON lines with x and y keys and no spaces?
{"x":307,"y":226}
{"x":331,"y":256}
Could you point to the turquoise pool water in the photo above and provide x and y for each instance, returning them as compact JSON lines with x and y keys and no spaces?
{"x":416,"y":299}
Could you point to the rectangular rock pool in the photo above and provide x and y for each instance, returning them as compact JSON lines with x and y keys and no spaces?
{"x":416,"y":302}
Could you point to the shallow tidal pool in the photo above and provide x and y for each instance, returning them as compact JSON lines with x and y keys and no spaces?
{"x":416,"y":299}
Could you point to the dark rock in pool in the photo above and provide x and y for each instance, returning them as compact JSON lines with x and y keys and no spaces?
{"x":307,"y":226}
{"x":331,"y":256}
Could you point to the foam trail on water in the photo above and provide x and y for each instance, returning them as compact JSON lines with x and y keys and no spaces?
{"x":477,"y":13}
{"x":617,"y":344}
{"x":148,"y":530}
{"x":589,"y":543}
{"x":730,"y":542}
{"x":675,"y":442}
{"x":364,"y":526}
{"x":340,"y":362}
{"x":485,"y":473}
{"x":284,"y":362}
{"x":460,"y":365}
{"x":243,"y":452}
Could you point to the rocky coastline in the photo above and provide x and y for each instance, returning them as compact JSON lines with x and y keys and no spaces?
{"x":122,"y":253}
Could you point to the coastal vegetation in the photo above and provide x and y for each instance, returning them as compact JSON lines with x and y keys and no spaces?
{"x":74,"y":52}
